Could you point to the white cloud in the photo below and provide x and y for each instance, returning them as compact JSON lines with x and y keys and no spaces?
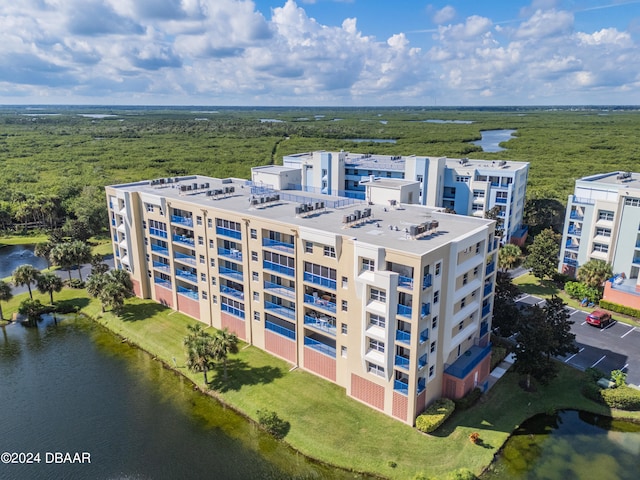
{"x":550,"y":23}
{"x":444,"y":15}
{"x":605,"y":36}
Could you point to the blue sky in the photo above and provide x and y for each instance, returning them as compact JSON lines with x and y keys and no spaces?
{"x":320,"y":52}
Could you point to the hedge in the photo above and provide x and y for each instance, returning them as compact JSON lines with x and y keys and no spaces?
{"x":469,"y":400}
{"x":623,"y":398}
{"x":614,"y":307}
{"x":435,"y":415}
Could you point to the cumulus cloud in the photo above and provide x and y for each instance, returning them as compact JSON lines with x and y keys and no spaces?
{"x":444,"y":15}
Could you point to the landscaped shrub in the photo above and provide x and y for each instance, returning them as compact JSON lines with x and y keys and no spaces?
{"x":75,"y":283}
{"x":579,"y":290}
{"x":614,"y":307}
{"x":435,"y":415}
{"x":619,"y":377}
{"x":469,"y":400}
{"x":273,"y":424}
{"x":624,"y":398}
{"x":592,"y":391}
{"x":594,"y":374}
{"x":498,"y":354}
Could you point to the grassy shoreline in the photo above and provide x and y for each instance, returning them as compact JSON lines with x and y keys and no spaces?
{"x":326,"y":425}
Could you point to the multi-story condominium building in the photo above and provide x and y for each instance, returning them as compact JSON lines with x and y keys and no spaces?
{"x":469,"y":187}
{"x":603,"y":222}
{"x":392,"y":302}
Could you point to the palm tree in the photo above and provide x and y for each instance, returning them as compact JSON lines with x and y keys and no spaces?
{"x":49,"y":283}
{"x":225,"y":343}
{"x":200,"y":349}
{"x":26,"y":275}
{"x":43,"y":249}
{"x":81,"y":253}
{"x":62,"y":256}
{"x":5,"y":294}
{"x":95,"y":286}
{"x":509,"y":256}
{"x":594,"y":273}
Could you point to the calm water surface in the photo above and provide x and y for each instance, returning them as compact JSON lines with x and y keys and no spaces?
{"x":12,"y":256}
{"x":74,"y":387}
{"x":491,"y":139}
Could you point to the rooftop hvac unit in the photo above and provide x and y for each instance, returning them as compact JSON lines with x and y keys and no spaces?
{"x":232,"y":189}
{"x":357,"y":214}
{"x":226,"y":180}
{"x":345,"y":219}
{"x":413,"y":230}
{"x":366,"y":212}
{"x":321,"y":204}
{"x":298,"y":210}
{"x":194,"y":186}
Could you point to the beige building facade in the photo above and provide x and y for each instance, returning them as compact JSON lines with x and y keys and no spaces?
{"x":391,"y":302}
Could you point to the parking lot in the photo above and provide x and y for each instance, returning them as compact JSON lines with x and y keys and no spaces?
{"x":616,"y":347}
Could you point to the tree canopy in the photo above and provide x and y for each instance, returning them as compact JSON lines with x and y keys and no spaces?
{"x":594,"y":273}
{"x":509,"y":256}
{"x":543,"y":254}
{"x":506,"y":313}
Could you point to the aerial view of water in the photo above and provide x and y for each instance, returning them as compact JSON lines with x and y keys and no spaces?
{"x":12,"y":256}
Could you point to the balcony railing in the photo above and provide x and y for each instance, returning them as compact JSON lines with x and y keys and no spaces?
{"x":427,"y":281}
{"x":232,"y":310}
{"x":405,"y":282}
{"x":484,"y":328}
{"x":404,"y":337}
{"x":163,"y":267}
{"x":319,"y":302}
{"x":320,"y":347}
{"x":276,"y":245}
{"x":424,"y":335}
{"x":285,"y":332}
{"x":228,"y":272}
{"x":280,"y":290}
{"x":186,"y":275}
{"x":184,"y":240}
{"x":160,"y":250}
{"x":572,"y":246}
{"x":401,"y":387}
{"x":318,"y":280}
{"x":404,"y":310}
{"x":183,"y":258}
{"x":321,"y":323}
{"x":187,"y":292}
{"x":157,"y":233}
{"x":276,"y":267}
{"x":422,"y":384}
{"x":402,"y":362}
{"x":570,"y":261}
{"x":425,"y":309}
{"x":422,"y":361}
{"x":227,"y":290}
{"x":501,"y":200}
{"x":280,"y":310}
{"x":162,"y":283}
{"x":231,"y":254}
{"x":574,"y":231}
{"x":576,"y":216}
{"x":487,"y":289}
{"x":184,"y":221}
{"x":227,"y":232}
{"x":486,"y":310}
{"x":490,"y":268}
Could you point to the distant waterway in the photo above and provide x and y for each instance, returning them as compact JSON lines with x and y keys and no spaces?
{"x":491,"y":139}
{"x":12,"y":256}
{"x":372,"y":140}
{"x":75,"y":387}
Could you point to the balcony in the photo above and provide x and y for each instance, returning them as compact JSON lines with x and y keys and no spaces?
{"x":232,"y":310}
{"x":468,"y":361}
{"x":160,"y":250}
{"x":487,"y":289}
{"x":402,"y":362}
{"x":280,"y":310}
{"x":490,"y":268}
{"x":404,"y":310}
{"x":424,"y":335}
{"x":233,"y":292}
{"x":422,"y":361}
{"x":422,"y":385}
{"x":570,"y":261}
{"x":184,"y":221}
{"x":230,"y":253}
{"x":316,"y":301}
{"x":162,"y":283}
{"x":285,"y":332}
{"x":280,"y":290}
{"x":574,"y":215}
{"x":404,"y":337}
{"x":427,"y":281}
{"x":318,"y":280}
{"x":574,"y":231}
{"x":405,"y":282}
{"x":184,"y":240}
{"x":227,"y":232}
{"x":484,"y":328}
{"x":501,"y":200}
{"x":187,"y":292}
{"x":486,"y":310}
{"x":325,"y":324}
{"x":229,"y":272}
{"x":572,"y":246}
{"x":320,"y":347}
{"x":163,"y":267}
{"x":401,"y":386}
{"x":281,"y":269}
{"x":280,"y":246}
{"x":183,"y":258}
{"x":157,"y":233}
{"x":187,"y":275}
{"x":425,"y":309}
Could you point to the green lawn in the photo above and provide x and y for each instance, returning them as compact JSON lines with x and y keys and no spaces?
{"x":325,"y":423}
{"x":23,"y":239}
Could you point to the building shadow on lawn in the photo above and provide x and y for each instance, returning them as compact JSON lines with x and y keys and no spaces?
{"x":133,"y":313}
{"x":240,"y":373}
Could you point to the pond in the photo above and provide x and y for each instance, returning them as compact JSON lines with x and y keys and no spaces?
{"x":75,"y":387}
{"x":12,"y":256}
{"x":491,"y":139}
{"x":570,"y":445}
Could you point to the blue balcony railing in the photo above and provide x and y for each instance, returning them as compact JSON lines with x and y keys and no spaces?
{"x":320,"y":347}
{"x":184,"y":240}
{"x":574,"y":231}
{"x":486,"y":310}
{"x":231,"y":254}
{"x":321,"y":323}
{"x":401,"y":387}
{"x":484,"y":328}
{"x":228,"y":272}
{"x":186,"y":275}
{"x":160,"y":250}
{"x":276,"y":245}
{"x":570,"y":261}
{"x":424,"y":335}
{"x":422,"y":384}
{"x":422,"y":361}
{"x":427,"y":281}
{"x":232,"y":310}
{"x":490,"y":268}
{"x":318,"y":280}
{"x":157,"y":233}
{"x":227,"y":290}
{"x":285,"y":332}
{"x":404,"y":337}
{"x":575,"y":215}
{"x":280,"y":290}
{"x":487,"y":289}
{"x":404,"y":310}
{"x":161,"y":282}
{"x":405,"y":282}
{"x":571,"y":246}
{"x":402,"y":362}
{"x":425,"y":309}
{"x":501,"y":200}
{"x":280,"y":310}
{"x":163,"y":267}
{"x":187,"y":292}
{"x":320,"y":302}
{"x":184,"y":221}
{"x":281,"y":269}
{"x":227,"y":232}
{"x":183,"y":258}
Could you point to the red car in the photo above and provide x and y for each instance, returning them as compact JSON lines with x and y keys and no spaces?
{"x":599,"y":318}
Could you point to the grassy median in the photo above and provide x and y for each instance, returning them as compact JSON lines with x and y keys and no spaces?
{"x":325,"y":423}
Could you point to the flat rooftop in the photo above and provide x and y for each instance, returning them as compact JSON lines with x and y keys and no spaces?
{"x":387,"y":226}
{"x":614,"y":180}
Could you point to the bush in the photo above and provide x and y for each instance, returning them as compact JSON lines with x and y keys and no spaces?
{"x":619,"y":377}
{"x":75,"y":283}
{"x":469,"y":400}
{"x":592,"y":392}
{"x":594,"y":374}
{"x":623,"y":398}
{"x":579,"y":291}
{"x":273,"y":424}
{"x":435,"y":415}
{"x":614,"y":307}
{"x":498,"y":354}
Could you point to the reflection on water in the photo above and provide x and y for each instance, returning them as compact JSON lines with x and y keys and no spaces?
{"x":491,"y":139}
{"x":570,"y":445}
{"x":12,"y":256}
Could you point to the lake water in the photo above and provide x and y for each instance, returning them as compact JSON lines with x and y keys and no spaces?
{"x":75,"y":387}
{"x":570,"y":445}
{"x":491,"y":139}
{"x":12,"y":256}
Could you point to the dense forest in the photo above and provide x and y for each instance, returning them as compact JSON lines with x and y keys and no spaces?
{"x":55,"y":160}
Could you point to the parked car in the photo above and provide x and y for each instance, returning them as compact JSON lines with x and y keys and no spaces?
{"x":598,"y":318}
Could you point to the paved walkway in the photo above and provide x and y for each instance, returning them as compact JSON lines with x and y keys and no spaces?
{"x":500,"y":370}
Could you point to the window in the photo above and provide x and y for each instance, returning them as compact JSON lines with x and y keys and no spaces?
{"x":308,"y":247}
{"x":436,"y":296}
{"x":213,"y":280}
{"x":343,"y":351}
{"x":214,"y":299}
{"x":462,"y":179}
{"x":475,"y":271}
{"x":200,"y":240}
{"x":465,"y":279}
{"x":375,"y":369}
{"x":254,"y":276}
{"x":256,"y":296}
{"x":211,"y":244}
{"x":368,"y":264}
{"x":254,"y":233}
{"x":438,"y":266}
{"x":432,"y":348}
{"x":378,"y":295}
{"x":149,"y":207}
{"x":329,"y":252}
{"x":478,"y":194}
{"x":345,"y":305}
{"x":605,"y":215}
{"x":254,"y":256}
{"x":431,"y":370}
{"x":198,"y":220}
{"x":212,"y":262}
{"x":345,"y":282}
{"x":256,"y":316}
{"x":146,"y":241}
{"x":461,"y":325}
{"x":203,"y":277}
{"x":434,"y":322}
{"x":202,"y":259}
{"x":599,"y":247}
{"x":209,"y":223}
{"x":377,"y":320}
{"x":632,"y":202}
{"x":603,"y":232}
{"x":343,"y":328}
{"x":204,"y":295}
{"x":149,"y":273}
{"x":376,"y":345}
{"x":463,"y":302}
{"x":477,"y":248}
